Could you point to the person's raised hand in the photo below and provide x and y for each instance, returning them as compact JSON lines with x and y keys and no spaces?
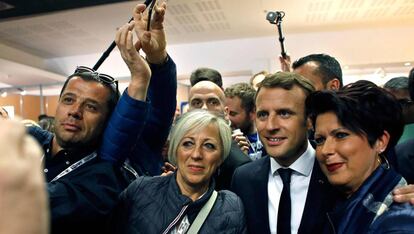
{"x":242,"y":141}
{"x":168,"y":169}
{"x":152,"y":42}
{"x":140,"y":71}
{"x":285,"y":63}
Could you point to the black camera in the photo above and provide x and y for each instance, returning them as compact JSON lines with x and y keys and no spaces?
{"x":274,"y":16}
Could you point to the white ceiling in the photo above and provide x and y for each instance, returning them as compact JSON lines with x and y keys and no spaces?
{"x":367,"y":36}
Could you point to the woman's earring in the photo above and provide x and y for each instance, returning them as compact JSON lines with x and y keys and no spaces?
{"x":381,"y":158}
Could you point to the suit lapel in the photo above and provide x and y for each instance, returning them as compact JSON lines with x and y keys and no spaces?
{"x":260,"y":177}
{"x":318,"y":200}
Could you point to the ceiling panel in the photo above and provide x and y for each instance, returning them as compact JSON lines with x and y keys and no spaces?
{"x":70,"y":31}
{"x":190,"y":21}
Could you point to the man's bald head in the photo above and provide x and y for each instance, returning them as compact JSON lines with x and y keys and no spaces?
{"x":207,"y":95}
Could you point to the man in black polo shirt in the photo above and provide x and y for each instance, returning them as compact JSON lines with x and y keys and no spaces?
{"x":82,"y":188}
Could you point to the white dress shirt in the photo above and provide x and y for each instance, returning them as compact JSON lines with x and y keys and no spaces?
{"x":299,"y":184}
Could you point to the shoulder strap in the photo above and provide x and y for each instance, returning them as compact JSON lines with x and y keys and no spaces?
{"x":202,"y":215}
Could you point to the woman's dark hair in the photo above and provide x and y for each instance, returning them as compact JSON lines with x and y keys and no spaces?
{"x":361,"y":107}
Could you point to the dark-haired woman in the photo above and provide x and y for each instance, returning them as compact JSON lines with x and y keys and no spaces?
{"x":354,"y":129}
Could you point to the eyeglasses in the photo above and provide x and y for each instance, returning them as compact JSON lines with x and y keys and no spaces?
{"x":102,"y":78}
{"x":405,"y":102}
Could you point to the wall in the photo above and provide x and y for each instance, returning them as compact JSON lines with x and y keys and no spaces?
{"x":29,"y":109}
{"x":182,"y":94}
{"x":51,"y":104}
{"x":31,"y":104}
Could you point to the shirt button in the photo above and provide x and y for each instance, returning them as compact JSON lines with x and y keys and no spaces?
{"x":67,"y":162}
{"x":45,"y":170}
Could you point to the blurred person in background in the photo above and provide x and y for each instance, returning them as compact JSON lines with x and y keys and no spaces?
{"x":323,"y":70}
{"x":405,"y":150}
{"x":241,"y":113}
{"x":206,"y":74}
{"x":398,"y":86}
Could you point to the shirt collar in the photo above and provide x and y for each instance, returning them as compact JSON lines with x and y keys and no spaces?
{"x":69,"y":154}
{"x":303,"y":165}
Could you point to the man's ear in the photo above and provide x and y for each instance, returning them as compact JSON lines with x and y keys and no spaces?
{"x":333,"y":84}
{"x":226,"y":112}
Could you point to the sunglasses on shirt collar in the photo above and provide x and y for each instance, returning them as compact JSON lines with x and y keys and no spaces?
{"x":100,"y":77}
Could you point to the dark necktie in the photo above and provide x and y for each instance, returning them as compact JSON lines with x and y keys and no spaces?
{"x":283,"y":217}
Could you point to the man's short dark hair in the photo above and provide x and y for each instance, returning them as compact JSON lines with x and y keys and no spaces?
{"x":411,"y":84}
{"x":114,"y":94}
{"x":363,"y":108}
{"x":397,"y":83}
{"x":243,"y":91}
{"x":208,"y":74}
{"x":286,"y":80}
{"x":328,"y":67}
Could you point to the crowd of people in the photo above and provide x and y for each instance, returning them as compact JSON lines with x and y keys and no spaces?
{"x":292,"y":152}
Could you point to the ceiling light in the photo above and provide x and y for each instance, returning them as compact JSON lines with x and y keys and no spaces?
{"x":346,"y":67}
{"x":407,"y":64}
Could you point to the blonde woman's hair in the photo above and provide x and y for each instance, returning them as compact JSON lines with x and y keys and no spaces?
{"x":196,"y":120}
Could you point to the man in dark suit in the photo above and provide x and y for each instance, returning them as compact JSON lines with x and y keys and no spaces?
{"x":282,"y":127}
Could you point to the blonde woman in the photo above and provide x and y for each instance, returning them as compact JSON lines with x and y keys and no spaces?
{"x":199,"y":143}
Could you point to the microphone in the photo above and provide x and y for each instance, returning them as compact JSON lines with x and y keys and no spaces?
{"x":275,"y":16}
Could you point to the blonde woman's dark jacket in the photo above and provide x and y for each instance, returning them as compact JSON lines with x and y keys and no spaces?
{"x":150,"y":204}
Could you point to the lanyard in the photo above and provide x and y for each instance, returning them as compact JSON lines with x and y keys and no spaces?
{"x":75,"y":165}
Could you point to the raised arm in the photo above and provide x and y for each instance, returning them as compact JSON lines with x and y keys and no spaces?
{"x":138,"y":129}
{"x":129,"y":117}
{"x":162,"y":94}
